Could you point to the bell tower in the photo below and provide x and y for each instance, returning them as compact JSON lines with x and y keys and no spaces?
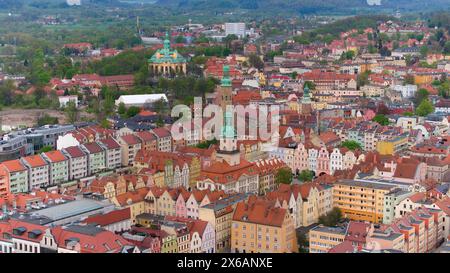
{"x":225,"y":89}
{"x":228,"y":150}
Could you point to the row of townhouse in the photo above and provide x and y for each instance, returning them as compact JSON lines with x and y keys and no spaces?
{"x":177,"y":234}
{"x":213,"y":207}
{"x":165,"y":201}
{"x":23,"y":237}
{"x":78,"y":161}
{"x":57,"y":167}
{"x":178,"y":169}
{"x":305,"y":203}
{"x":320,"y":160}
{"x":418,"y":231}
{"x":432,"y":200}
{"x":370,"y":134}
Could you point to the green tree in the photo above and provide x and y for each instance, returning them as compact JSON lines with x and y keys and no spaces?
{"x":446,"y":48}
{"x":39,"y":74}
{"x":363,"y":78}
{"x":294,"y":75}
{"x":46,"y":149}
{"x":206,"y":144}
{"x":255,"y":61}
{"x":71,"y":112}
{"x":348,"y":55}
{"x":310,"y":85}
{"x":283,"y":176}
{"x":302,"y":242}
{"x":306,"y":175}
{"x":424,"y":51}
{"x":425,"y":108}
{"x":408,"y":114}
{"x":160,"y":106}
{"x":133,"y":111}
{"x":6,"y":93}
{"x":122,"y":110}
{"x":332,"y":218}
{"x":381,"y":119}
{"x":421,"y":95}
{"x":351,"y":145}
{"x":46,"y":119}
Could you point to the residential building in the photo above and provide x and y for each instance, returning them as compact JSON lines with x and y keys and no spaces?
{"x":361,"y":200}
{"x":130,"y":144}
{"x":58,"y":167}
{"x":113,"y":152}
{"x":13,"y":177}
{"x":260,"y":227}
{"x":96,"y":157}
{"x":78,"y":162}
{"x":38,"y":171}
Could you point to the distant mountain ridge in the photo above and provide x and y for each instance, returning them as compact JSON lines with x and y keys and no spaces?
{"x":305,"y":6}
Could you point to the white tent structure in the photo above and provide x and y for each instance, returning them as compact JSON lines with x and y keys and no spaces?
{"x":139,"y":100}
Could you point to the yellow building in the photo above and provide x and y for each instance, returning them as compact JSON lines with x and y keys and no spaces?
{"x":424,"y":78}
{"x":134,"y":200}
{"x":361,"y":200}
{"x":393,"y":145}
{"x":322,"y":238}
{"x":260,"y":227}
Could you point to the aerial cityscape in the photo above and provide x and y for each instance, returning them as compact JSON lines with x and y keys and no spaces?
{"x":225,"y":126}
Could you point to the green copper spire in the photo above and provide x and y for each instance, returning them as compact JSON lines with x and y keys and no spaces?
{"x":306,"y":96}
{"x":228,"y":128}
{"x":167,"y":42}
{"x":226,"y":81}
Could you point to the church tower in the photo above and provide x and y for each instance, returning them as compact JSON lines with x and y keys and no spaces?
{"x":224,"y":91}
{"x":306,"y":107}
{"x":228,"y":150}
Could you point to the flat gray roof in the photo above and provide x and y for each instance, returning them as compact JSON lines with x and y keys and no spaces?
{"x":69,"y":209}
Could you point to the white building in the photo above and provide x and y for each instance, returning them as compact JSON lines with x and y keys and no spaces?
{"x":66,"y":141}
{"x":237,"y":29}
{"x":73,"y":2}
{"x":64,"y":100}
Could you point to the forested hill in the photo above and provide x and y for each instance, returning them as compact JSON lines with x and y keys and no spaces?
{"x":306,"y":6}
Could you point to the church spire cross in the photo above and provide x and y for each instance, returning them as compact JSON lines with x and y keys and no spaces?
{"x":226,"y":81}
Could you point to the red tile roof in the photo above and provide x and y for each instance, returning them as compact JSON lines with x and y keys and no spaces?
{"x":109,"y":218}
{"x":93,"y":148}
{"x":110,"y":143}
{"x":13,"y":165}
{"x":55,"y":156}
{"x":35,"y":161}
{"x":259,"y":211}
{"x":101,"y":242}
{"x":75,"y":151}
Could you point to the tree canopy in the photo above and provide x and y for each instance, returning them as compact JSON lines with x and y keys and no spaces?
{"x":283,"y":176}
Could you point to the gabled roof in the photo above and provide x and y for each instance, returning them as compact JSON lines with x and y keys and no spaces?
{"x":131,"y":139}
{"x":99,"y":241}
{"x":74,"y":151}
{"x":93,"y":148}
{"x":259,"y":211}
{"x":55,"y":156}
{"x":35,"y":161}
{"x":109,"y":218}
{"x":110,"y":143}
